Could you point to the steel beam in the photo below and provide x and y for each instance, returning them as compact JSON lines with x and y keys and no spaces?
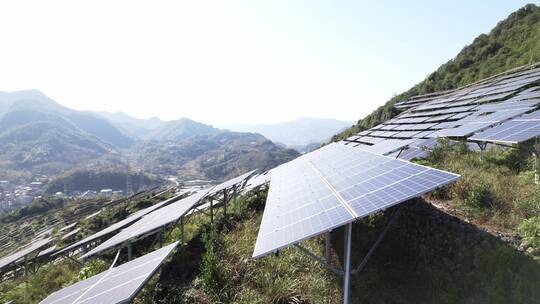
{"x":347,"y":273}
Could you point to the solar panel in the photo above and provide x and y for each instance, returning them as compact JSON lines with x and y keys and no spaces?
{"x":496,"y":116}
{"x":257,"y":181}
{"x":388,"y":146}
{"x":333,"y":186}
{"x":150,"y":222}
{"x":231,"y":182}
{"x":514,"y":131}
{"x":71,"y":233}
{"x":462,"y":131}
{"x":68,"y":227}
{"x":14,"y":257}
{"x":117,"y":285}
{"x":370,"y":140}
{"x":119,"y":225}
{"x":47,"y":251}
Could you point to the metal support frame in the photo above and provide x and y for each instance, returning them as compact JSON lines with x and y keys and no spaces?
{"x":211,"y":210}
{"x":377,"y":242}
{"x":482,"y":146}
{"x":536,"y":153}
{"x":26,"y":265}
{"x":182,"y":238}
{"x":225,"y":203}
{"x":318,"y":259}
{"x":130,"y":251}
{"x":347,"y":272}
{"x":401,"y":150}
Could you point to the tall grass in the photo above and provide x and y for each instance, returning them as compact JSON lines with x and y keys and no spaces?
{"x":499,"y":190}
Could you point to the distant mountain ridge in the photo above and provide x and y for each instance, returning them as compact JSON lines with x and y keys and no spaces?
{"x":23,"y":107}
{"x":38,"y":135}
{"x":297,"y":133}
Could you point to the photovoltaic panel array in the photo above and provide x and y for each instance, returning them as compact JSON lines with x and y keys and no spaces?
{"x":257,"y":181}
{"x":512,"y":132}
{"x":462,"y":113}
{"x":151,"y":222}
{"x":231,"y":182}
{"x":119,"y":225}
{"x":117,"y":285}
{"x":16,"y":256}
{"x":335,"y":185}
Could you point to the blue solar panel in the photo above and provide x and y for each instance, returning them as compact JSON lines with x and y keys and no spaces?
{"x":116,"y":285}
{"x":333,"y":186}
{"x":512,"y":132}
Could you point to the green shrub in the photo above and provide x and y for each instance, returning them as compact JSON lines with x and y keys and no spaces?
{"x":210,"y":273}
{"x":480,"y":197}
{"x":92,"y":268}
{"x":529,"y":207}
{"x":529,"y":230}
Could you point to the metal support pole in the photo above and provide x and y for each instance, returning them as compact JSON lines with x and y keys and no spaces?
{"x":225,"y":204}
{"x":536,"y":161}
{"x":377,"y":242}
{"x":482,"y":148}
{"x":182,"y":230}
{"x":327,"y":249}
{"x":211,"y":210}
{"x":318,"y":259}
{"x":25,"y":265}
{"x":347,"y":273}
{"x":130,"y":251}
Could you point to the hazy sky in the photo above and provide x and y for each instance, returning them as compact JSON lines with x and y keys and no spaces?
{"x":223,"y":62}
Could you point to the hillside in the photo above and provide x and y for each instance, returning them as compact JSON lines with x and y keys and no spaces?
{"x":47,"y":146}
{"x":219,"y":156}
{"x":514,"y":42}
{"x":135,"y":127}
{"x":181,"y":130}
{"x":82,"y":180}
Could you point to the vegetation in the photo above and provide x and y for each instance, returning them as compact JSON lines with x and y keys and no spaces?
{"x":514,"y":42}
{"x":82,"y":180}
{"x":498,"y":190}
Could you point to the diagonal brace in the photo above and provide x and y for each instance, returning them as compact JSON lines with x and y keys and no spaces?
{"x":377,"y":242}
{"x":319,"y":259}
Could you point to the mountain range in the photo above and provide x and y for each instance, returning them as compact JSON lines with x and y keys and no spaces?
{"x":41,"y":136}
{"x":299,"y":134}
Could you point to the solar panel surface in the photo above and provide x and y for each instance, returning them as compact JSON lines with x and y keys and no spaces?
{"x":119,"y":225}
{"x":14,"y":257}
{"x":231,"y":182}
{"x":333,"y":186}
{"x":117,"y":285}
{"x":150,"y":222}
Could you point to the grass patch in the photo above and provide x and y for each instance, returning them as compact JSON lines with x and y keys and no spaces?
{"x":499,"y":190}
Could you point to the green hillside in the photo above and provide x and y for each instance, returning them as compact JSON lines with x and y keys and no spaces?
{"x":514,"y":42}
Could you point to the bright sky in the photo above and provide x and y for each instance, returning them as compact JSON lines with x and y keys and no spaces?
{"x":224,"y":62}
